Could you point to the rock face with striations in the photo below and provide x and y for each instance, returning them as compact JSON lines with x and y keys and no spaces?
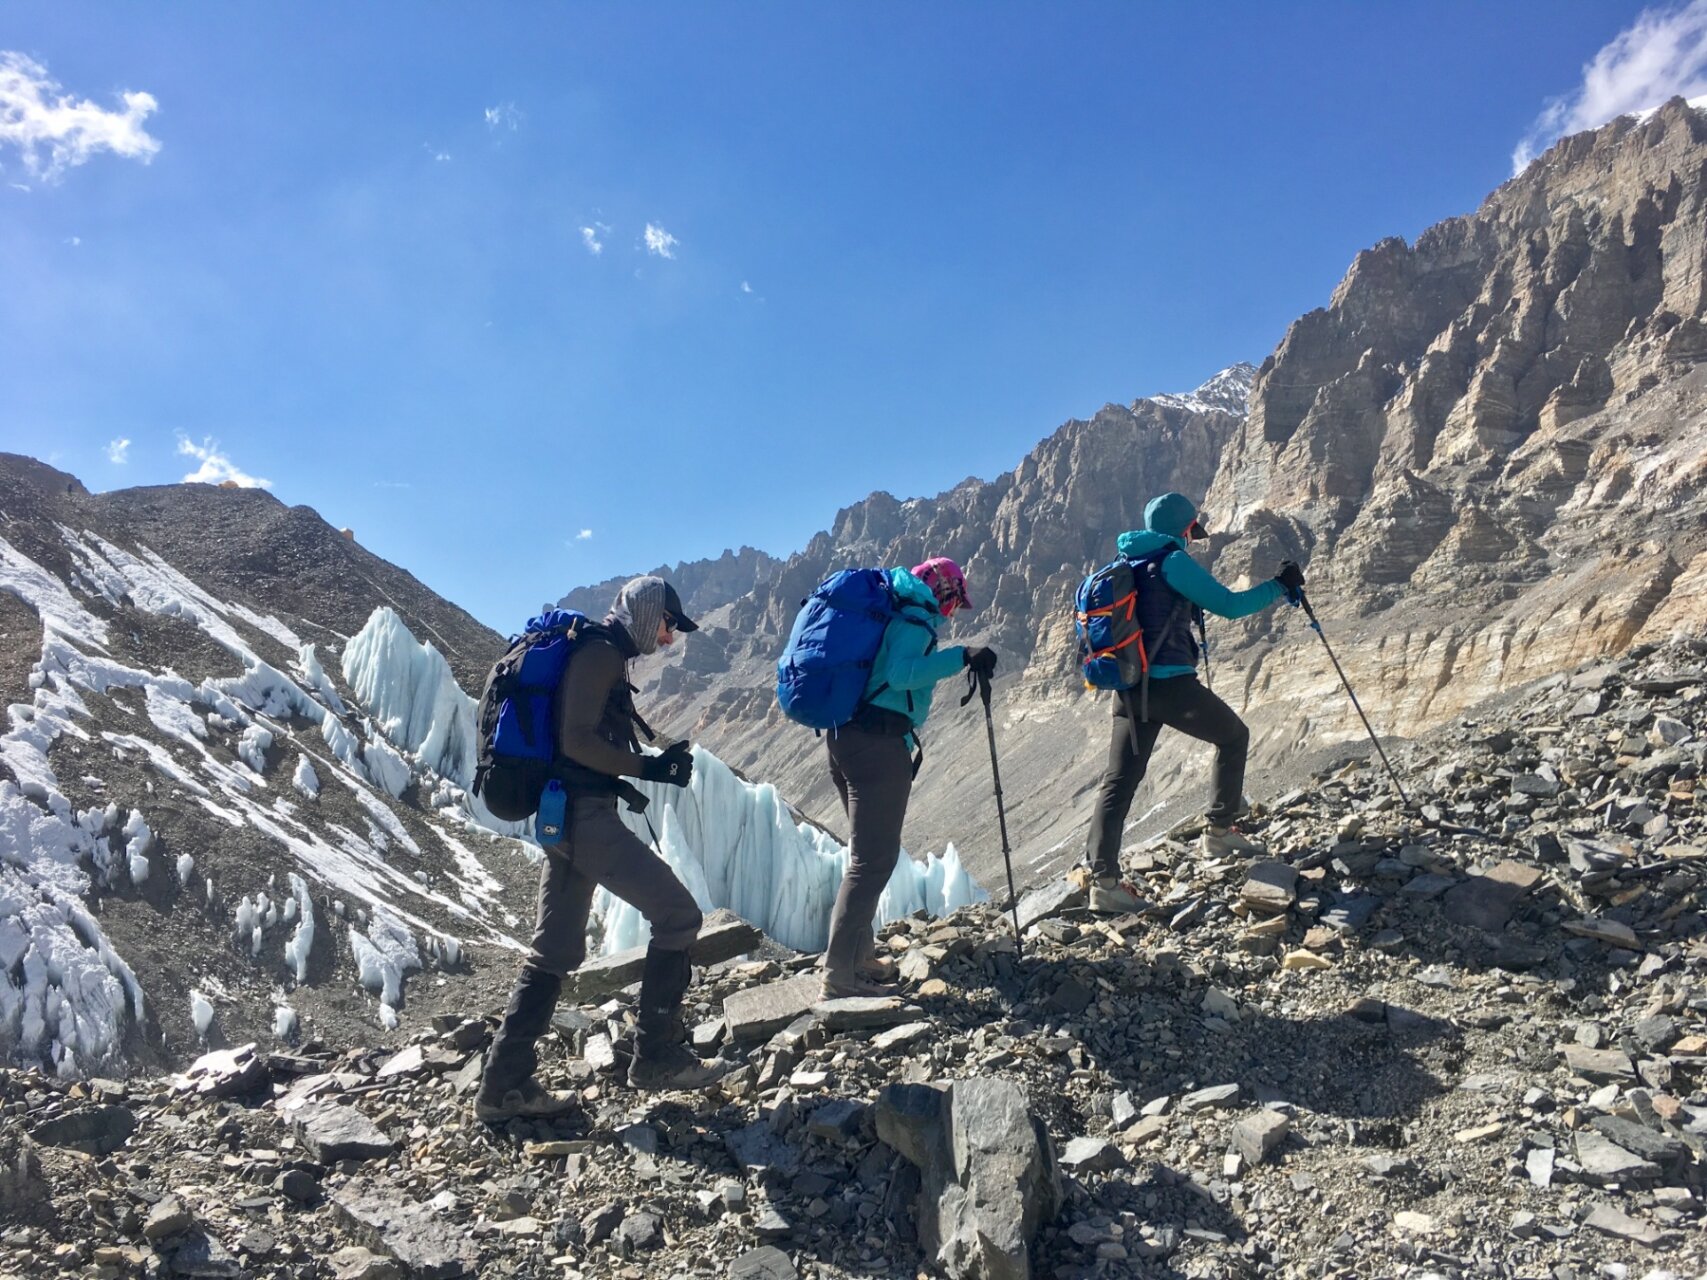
{"x":1488,"y":450}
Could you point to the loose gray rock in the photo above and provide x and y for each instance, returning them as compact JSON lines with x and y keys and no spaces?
{"x":1257,"y":1137}
{"x":389,"y":1223}
{"x":333,"y":1133}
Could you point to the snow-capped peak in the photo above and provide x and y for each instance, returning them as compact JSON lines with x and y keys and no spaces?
{"x":1227,"y":392}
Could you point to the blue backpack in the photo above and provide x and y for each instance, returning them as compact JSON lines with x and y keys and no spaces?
{"x":518,"y":740}
{"x":822,"y":674}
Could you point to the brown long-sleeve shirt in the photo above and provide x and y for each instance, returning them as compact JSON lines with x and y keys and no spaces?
{"x":587,"y":732}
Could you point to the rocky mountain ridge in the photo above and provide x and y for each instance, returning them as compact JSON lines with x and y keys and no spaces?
{"x":1489,"y":450}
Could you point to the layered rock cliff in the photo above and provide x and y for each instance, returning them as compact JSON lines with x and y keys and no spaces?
{"x":1488,"y":449}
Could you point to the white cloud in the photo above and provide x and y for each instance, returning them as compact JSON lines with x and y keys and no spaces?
{"x":660,"y":241}
{"x":590,"y":238}
{"x":54,"y":132}
{"x":583,"y":535}
{"x":504,"y":117}
{"x":745,"y":287}
{"x":1660,"y":55}
{"x":393,"y":484}
{"x":439,"y":155}
{"x":73,"y":241}
{"x":216,"y":467}
{"x":118,"y":452}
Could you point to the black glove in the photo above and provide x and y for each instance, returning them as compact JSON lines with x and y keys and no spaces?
{"x":981,"y":661}
{"x":1291,"y":577}
{"x":675,"y":766}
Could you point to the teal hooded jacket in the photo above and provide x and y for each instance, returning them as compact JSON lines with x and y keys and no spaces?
{"x":903,"y":674}
{"x":1165,"y":522}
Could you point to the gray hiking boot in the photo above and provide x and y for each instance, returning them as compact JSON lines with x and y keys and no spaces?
{"x":674,"y":1066}
{"x":528,"y":1100}
{"x":1221,"y":841}
{"x":1109,"y":897}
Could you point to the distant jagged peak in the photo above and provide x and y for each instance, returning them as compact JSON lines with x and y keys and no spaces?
{"x":1227,"y":392}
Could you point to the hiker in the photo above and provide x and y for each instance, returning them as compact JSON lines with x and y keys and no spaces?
{"x":873,"y":765}
{"x":593,"y":712}
{"x":1173,"y":590}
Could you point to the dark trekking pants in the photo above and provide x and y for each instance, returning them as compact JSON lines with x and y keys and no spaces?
{"x":1178,"y":702}
{"x":598,"y":850}
{"x":873,"y":774}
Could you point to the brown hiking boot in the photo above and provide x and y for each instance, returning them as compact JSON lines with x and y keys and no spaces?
{"x":529,"y":1100}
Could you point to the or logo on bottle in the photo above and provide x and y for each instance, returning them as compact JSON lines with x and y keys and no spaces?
{"x":553,"y":806}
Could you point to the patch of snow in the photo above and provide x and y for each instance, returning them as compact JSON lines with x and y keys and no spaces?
{"x":48,"y":596}
{"x":284,"y":1022}
{"x":1227,"y":392}
{"x":186,"y":865}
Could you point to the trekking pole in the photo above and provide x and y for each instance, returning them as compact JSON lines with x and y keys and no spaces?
{"x":1316,"y":626}
{"x":983,"y":685}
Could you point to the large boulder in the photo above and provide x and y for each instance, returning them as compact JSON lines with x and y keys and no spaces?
{"x":987,"y":1172}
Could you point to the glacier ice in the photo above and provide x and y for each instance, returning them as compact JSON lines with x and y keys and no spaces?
{"x":201,"y":1012}
{"x":304,"y":779}
{"x":302,"y":937}
{"x":284,"y":1022}
{"x":384,"y":954}
{"x":407,"y":687}
{"x":737,"y":844}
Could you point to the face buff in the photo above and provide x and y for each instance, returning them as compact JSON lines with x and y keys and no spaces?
{"x":640,"y":608}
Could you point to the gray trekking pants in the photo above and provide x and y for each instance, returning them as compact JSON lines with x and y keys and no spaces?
{"x":599,"y":850}
{"x":873,"y":774}
{"x":1177,"y":702}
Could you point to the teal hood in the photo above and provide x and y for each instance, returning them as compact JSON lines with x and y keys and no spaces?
{"x":913,"y":591}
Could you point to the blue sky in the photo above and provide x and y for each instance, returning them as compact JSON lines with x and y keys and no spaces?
{"x":349,"y":250}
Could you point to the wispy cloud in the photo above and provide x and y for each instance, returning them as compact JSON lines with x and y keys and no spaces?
{"x":1662,"y":54}
{"x":73,"y":241}
{"x":118,"y":452}
{"x":590,"y":238}
{"x":659,"y":241}
{"x":393,"y":484}
{"x":216,"y":467}
{"x":584,"y":535}
{"x":506,"y":117}
{"x":55,"y":132}
{"x":439,"y":154}
{"x":745,"y":287}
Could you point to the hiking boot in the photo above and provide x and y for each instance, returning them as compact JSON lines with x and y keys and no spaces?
{"x":840,"y":986}
{"x":875,"y":967}
{"x":1218,"y":842}
{"x":674,"y":1066}
{"x":528,"y":1100}
{"x":1109,"y":896}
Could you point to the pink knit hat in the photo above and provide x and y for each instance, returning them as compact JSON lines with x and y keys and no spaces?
{"x":945,"y":579}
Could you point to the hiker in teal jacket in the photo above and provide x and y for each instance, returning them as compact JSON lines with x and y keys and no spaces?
{"x":872,"y":765}
{"x":1174,"y":592}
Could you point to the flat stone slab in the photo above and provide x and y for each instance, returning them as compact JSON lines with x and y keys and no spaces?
{"x":95,"y":1131}
{"x":861,"y":1013}
{"x":1639,"y":1140}
{"x":332,"y":1133}
{"x":767,"y":1262}
{"x":756,"y":1148}
{"x":1039,"y":904}
{"x":404,"y":1063}
{"x":1597,"y":1062}
{"x":906,"y":1033}
{"x":1271,"y":887}
{"x":1488,"y":900}
{"x":400,"y":1228}
{"x":1615,"y":1222}
{"x":1608,"y":931}
{"x":759,"y":1012}
{"x":1603,"y":1160}
{"x":723,"y":936}
{"x":1217,"y":1095}
{"x":1086,"y":1153}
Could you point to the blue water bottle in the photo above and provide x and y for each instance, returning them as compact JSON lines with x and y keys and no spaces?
{"x":553,"y":804}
